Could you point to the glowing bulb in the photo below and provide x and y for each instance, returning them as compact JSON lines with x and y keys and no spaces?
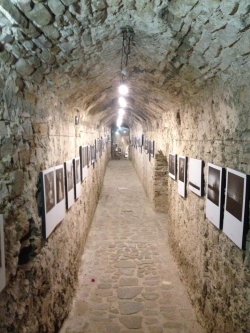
{"x":123,"y":89}
{"x":121,"y":112}
{"x":122,"y":102}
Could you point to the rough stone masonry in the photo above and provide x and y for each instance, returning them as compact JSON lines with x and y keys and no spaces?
{"x":188,"y":76}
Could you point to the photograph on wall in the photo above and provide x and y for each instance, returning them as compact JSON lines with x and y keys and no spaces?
{"x":53,"y":198}
{"x":2,"y":256}
{"x":83,"y":162}
{"x":97,"y":146}
{"x":49,"y":190}
{"x":59,"y":184}
{"x":146,"y":145}
{"x":153,"y":148}
{"x":215,"y":194}
{"x":69,"y":183}
{"x":195,"y":172}
{"x":172,"y":159}
{"x":89,"y":156}
{"x":101,"y":147}
{"x":77,"y":179}
{"x":182,"y":175}
{"x":93,"y":154}
{"x":149,"y":150}
{"x":236,"y":207}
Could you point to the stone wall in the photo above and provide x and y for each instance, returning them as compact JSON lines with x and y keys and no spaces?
{"x":144,"y":169}
{"x":213,"y":126}
{"x":38,"y":131}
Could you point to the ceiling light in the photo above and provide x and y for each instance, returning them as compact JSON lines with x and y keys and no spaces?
{"x":122,"y":102}
{"x":123,"y":89}
{"x":121,"y":112}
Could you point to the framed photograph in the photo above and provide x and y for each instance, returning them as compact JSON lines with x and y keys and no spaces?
{"x":142,"y":139}
{"x":172,"y":160}
{"x":146,"y":145}
{"x":236,"y":209}
{"x":195,"y":172}
{"x":86,"y":160}
{"x":2,"y":256}
{"x":97,"y":147}
{"x":182,"y":176}
{"x":83,"y":162}
{"x":93,"y":153}
{"x":215,"y":194}
{"x":101,"y":146}
{"x":53,"y":198}
{"x":89,"y":156}
{"x":149,"y":150}
{"x":153,"y":148}
{"x":69,"y":183}
{"x":77,"y":177}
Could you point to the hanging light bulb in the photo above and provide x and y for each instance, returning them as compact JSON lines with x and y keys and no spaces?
{"x":121,"y":112}
{"x":122,"y":102}
{"x":123,"y":89}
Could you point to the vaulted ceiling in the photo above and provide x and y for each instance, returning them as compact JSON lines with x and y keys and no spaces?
{"x":73,"y":48}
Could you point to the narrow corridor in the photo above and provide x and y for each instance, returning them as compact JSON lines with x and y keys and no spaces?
{"x":128,"y":281}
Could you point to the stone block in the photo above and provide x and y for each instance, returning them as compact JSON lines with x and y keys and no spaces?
{"x":18,"y":183}
{"x":23,"y":67}
{"x":3,"y":128}
{"x":131,"y":322}
{"x":7,"y":148}
{"x":127,"y":308}
{"x":40,"y":15}
{"x":51,"y":32}
{"x":48,"y":57}
{"x":4,"y":56}
{"x":99,"y":4}
{"x":13,"y":13}
{"x":27,"y":130}
{"x":25,"y":5}
{"x":31,"y":31}
{"x":56,"y":7}
{"x":24,"y":156}
{"x":69,"y":2}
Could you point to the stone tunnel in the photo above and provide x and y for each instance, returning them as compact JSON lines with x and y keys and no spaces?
{"x":187,"y":71}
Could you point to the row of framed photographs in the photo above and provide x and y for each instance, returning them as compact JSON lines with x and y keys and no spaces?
{"x":61,"y":185}
{"x":144,"y":144}
{"x":227,"y":194}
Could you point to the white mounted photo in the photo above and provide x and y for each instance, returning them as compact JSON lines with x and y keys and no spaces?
{"x":153,"y":148}
{"x":69,"y":183}
{"x":77,"y":177}
{"x":195,"y":173}
{"x":83,"y":150}
{"x":53,"y":198}
{"x":97,"y":147}
{"x":93,"y":154}
{"x":215,"y":194}
{"x":236,"y":207}
{"x":2,"y":256}
{"x":182,"y":176}
{"x":89,"y":156}
{"x":172,"y":167}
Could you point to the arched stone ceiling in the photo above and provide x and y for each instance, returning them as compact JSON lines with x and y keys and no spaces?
{"x":73,"y":47}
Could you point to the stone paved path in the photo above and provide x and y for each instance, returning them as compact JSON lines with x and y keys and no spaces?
{"x":128,"y":281}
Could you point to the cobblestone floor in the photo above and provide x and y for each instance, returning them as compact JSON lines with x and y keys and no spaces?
{"x":128,"y":281}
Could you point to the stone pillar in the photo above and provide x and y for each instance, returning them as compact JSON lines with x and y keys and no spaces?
{"x":160,"y":182}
